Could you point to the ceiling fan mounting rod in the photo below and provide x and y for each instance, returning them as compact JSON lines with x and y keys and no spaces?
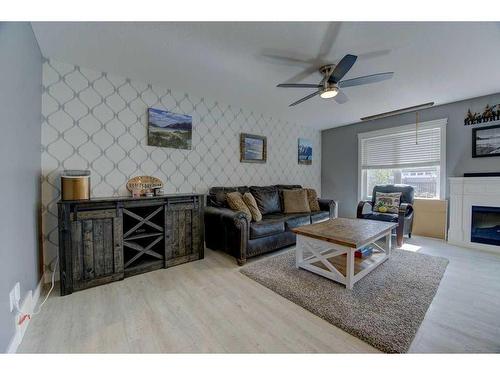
{"x":326,"y":71}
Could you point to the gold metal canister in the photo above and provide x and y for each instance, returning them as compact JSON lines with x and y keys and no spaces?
{"x":75,"y":187}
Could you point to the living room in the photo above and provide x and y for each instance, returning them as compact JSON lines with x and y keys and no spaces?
{"x":322,"y":186}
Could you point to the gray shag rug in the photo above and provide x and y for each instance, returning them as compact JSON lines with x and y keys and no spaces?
{"x":384,"y":309}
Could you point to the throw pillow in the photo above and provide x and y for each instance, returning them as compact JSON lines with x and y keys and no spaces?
{"x":285,"y":187}
{"x":387,"y":202}
{"x":312,"y":198}
{"x":252,"y":206}
{"x":295,"y":201}
{"x":235,"y":202}
{"x":267,"y":199}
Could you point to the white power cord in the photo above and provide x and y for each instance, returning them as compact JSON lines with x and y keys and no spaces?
{"x":50,"y":290}
{"x":25,"y":315}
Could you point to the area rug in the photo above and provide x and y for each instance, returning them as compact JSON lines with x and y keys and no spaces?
{"x":384,"y":309}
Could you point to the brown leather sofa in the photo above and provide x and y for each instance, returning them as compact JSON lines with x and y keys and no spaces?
{"x":230,"y":231}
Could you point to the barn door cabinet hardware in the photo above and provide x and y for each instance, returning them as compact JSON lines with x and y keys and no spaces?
{"x":107,"y":239}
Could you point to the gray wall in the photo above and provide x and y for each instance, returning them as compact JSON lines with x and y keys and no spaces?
{"x":339,"y":171}
{"x":20,"y":163}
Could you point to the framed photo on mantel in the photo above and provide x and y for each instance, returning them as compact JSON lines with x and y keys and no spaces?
{"x":253,"y":148}
{"x":486,"y":141}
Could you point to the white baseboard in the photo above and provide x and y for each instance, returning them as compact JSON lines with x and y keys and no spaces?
{"x":475,"y":246}
{"x":28,"y":305}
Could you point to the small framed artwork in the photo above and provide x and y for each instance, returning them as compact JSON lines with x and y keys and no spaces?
{"x":305,"y":151}
{"x":168,"y":129}
{"x":486,"y":141}
{"x":253,"y":148}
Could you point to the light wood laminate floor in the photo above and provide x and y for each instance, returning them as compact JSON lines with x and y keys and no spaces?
{"x":208,"y":306}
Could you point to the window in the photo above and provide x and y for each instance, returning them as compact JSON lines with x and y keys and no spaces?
{"x":403,"y":156}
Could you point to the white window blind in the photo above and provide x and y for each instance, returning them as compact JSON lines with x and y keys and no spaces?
{"x":400,"y":148}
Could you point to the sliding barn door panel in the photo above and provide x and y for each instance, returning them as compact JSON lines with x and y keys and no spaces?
{"x":96,"y":248}
{"x":184,"y":238}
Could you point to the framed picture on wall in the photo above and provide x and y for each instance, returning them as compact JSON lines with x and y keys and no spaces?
{"x":486,"y":141}
{"x":168,"y":129}
{"x":305,"y":151}
{"x":253,"y":148}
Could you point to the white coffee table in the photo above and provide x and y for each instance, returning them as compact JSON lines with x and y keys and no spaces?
{"x":328,"y":248}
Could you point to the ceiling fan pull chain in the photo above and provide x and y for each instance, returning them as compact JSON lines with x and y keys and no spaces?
{"x":416,"y":128}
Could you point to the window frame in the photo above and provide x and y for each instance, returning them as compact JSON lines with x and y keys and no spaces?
{"x":434,"y":124}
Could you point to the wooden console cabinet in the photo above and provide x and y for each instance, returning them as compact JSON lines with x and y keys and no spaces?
{"x":106,"y":239}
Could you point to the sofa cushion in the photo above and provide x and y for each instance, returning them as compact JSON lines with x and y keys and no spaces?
{"x":217,"y":195}
{"x":285,"y":187}
{"x":312,"y":198}
{"x":294,"y":221}
{"x":393,"y":218}
{"x":267,"y":227}
{"x":236,"y":203}
{"x":288,"y":187}
{"x":267,"y":199}
{"x":252,"y":206}
{"x":275,"y":215}
{"x":316,"y":217}
{"x":295,"y":201}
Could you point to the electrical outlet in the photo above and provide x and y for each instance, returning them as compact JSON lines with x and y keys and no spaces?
{"x":15,"y":296}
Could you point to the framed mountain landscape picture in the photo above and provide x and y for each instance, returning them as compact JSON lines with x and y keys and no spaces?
{"x":305,"y":151}
{"x":168,"y":129}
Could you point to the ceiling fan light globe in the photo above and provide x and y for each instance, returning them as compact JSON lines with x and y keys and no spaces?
{"x":329,"y":93}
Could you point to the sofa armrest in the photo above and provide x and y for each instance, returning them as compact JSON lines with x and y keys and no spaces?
{"x":225,"y":213}
{"x":329,"y":205}
{"x":405,"y":209}
{"x":405,"y":218}
{"x":361,"y":205}
{"x":227,"y":230}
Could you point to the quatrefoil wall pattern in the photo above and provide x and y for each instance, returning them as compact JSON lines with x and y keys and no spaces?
{"x":97,"y":121}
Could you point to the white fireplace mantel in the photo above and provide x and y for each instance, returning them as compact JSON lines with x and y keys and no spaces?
{"x":466,"y":192}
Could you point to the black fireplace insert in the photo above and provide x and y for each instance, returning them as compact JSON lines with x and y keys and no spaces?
{"x":485,"y":225}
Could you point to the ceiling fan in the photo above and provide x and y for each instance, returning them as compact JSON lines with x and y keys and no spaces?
{"x":330,"y":85}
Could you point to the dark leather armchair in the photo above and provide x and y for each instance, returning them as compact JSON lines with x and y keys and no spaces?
{"x":404,"y":217}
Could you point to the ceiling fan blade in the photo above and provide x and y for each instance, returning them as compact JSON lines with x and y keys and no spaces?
{"x":374,"y":54}
{"x":331,"y":34}
{"x":305,"y":98}
{"x":342,"y":68}
{"x":303,"y":74}
{"x":285,"y":58}
{"x":300,"y":85}
{"x":341,"y":98}
{"x":366,"y":79}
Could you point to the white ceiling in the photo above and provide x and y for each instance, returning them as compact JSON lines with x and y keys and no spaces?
{"x":440,"y":62}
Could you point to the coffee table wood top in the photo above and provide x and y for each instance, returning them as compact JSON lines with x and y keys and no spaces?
{"x":347,"y":232}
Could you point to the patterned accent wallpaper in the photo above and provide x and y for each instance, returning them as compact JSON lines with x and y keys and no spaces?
{"x":98,"y":121}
